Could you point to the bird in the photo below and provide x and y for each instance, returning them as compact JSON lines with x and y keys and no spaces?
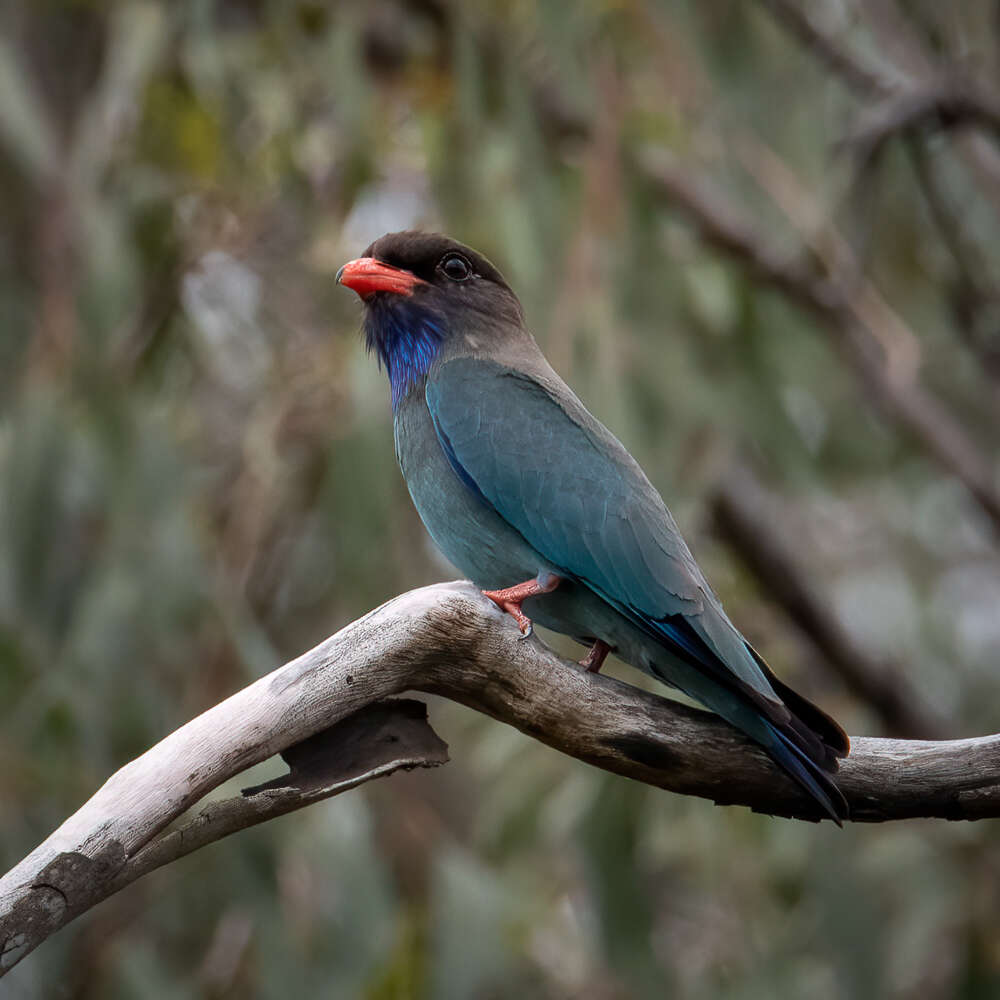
{"x":544,"y":510}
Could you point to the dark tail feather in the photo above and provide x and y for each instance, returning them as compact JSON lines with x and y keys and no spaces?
{"x":814,"y":721}
{"x":801,"y":738}
{"x":807,"y":745}
{"x":809,"y":774}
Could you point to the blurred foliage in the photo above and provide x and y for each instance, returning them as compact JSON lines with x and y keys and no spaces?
{"x":197,"y":478}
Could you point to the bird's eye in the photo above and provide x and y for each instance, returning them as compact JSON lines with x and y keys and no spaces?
{"x":456,"y":267}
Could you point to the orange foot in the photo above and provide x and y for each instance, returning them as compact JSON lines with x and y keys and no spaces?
{"x":510,"y":598}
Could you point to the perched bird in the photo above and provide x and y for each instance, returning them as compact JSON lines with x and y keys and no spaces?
{"x":543,"y":508}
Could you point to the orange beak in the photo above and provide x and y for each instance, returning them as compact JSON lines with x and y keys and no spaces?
{"x":366,"y":276}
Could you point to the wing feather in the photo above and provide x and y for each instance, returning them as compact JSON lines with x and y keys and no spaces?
{"x":534,"y":453}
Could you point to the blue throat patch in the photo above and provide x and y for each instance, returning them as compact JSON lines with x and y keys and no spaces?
{"x":406,"y":340}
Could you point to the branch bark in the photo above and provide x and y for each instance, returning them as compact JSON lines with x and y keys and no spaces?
{"x":447,"y":640}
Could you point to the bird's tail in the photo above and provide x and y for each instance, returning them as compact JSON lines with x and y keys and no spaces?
{"x":813,"y":777}
{"x":802,"y":752}
{"x":801,"y":738}
{"x":807,"y":744}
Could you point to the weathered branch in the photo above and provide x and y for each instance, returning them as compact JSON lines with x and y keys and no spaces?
{"x":447,"y":640}
{"x":375,"y":742}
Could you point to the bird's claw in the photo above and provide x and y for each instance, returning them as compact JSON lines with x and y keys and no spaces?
{"x":510,"y":598}
{"x":523,"y":621}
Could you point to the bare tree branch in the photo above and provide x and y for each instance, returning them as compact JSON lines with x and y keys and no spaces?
{"x":803,"y":24}
{"x":861,"y":326}
{"x":447,"y":640}
{"x":976,"y":299}
{"x":943,"y":105}
{"x":374,"y":742}
{"x":906,"y":100}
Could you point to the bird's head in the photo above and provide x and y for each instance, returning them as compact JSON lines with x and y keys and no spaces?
{"x":424,"y":292}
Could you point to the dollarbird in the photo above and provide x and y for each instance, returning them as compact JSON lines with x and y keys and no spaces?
{"x":533,"y":499}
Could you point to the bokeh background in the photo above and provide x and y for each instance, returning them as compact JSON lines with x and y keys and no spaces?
{"x":759,"y":238}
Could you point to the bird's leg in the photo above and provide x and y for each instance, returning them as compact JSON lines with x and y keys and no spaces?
{"x":594,"y":660}
{"x":510,"y":598}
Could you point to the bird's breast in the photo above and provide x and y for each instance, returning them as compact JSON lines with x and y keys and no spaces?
{"x":467,"y":530}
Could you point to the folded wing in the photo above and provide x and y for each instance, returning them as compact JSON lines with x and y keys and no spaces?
{"x":525,"y":445}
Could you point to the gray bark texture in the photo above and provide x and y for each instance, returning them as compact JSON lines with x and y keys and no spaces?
{"x":333,"y":715}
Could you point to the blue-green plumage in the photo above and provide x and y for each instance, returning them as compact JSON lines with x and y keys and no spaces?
{"x":515,"y":479}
